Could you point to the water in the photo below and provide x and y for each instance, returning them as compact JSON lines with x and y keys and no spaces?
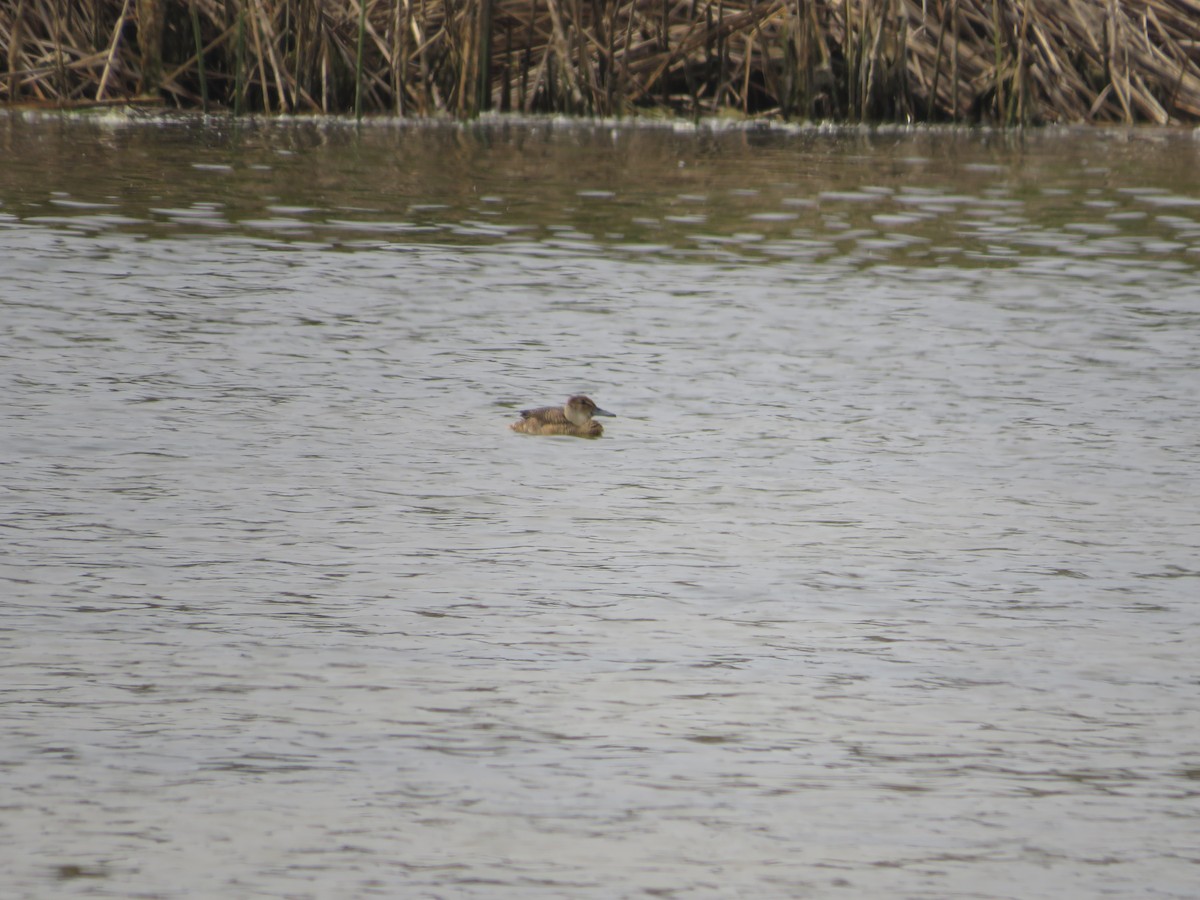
{"x":883,"y":583}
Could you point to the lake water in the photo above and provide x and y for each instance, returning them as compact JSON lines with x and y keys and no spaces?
{"x":883,"y":583}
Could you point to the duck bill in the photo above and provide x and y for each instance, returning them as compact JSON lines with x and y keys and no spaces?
{"x":603,"y":412}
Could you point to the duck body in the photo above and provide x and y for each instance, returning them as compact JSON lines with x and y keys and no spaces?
{"x":573,"y":418}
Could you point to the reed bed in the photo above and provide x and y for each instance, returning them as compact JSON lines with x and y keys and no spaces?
{"x":998,"y":61}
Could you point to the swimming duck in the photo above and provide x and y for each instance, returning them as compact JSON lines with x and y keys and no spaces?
{"x":572,"y":418}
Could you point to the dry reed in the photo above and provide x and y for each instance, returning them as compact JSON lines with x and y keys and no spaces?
{"x":999,"y":61}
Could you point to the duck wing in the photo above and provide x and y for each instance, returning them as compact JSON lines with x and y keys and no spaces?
{"x":550,"y":414}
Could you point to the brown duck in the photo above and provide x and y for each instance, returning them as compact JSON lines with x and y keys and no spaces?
{"x":573,"y":418}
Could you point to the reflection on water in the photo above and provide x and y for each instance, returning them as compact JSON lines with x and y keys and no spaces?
{"x":881,"y":583}
{"x":911,"y":197}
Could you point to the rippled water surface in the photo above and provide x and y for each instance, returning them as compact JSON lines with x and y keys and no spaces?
{"x":883,"y":583}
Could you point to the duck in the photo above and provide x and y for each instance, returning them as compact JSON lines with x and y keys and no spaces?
{"x":573,"y":418}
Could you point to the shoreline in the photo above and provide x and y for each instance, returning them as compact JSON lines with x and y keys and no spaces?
{"x":961,"y":62}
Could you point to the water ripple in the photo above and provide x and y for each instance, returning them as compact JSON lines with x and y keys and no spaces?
{"x":880,"y":583}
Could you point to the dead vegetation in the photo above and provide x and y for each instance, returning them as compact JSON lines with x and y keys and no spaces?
{"x":998,"y":61}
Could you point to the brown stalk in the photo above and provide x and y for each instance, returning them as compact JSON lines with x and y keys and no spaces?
{"x":112,"y":50}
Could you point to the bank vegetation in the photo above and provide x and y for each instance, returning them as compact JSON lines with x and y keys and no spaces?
{"x":1009,"y":62}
